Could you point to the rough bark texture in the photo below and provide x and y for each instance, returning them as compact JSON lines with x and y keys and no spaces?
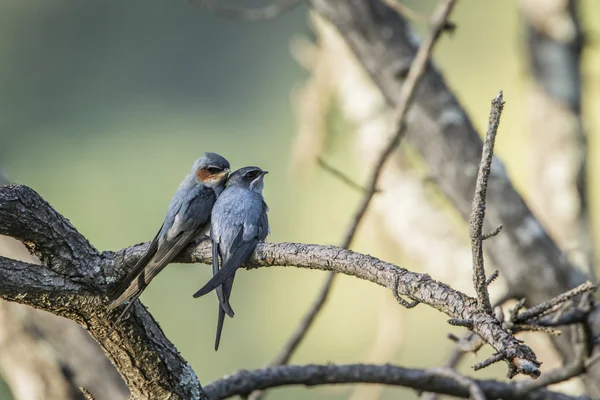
{"x":46,"y":357}
{"x":73,"y":283}
{"x":438,"y":127}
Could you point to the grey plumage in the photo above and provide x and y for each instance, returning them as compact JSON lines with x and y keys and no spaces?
{"x":188,"y":217}
{"x":239,"y":223}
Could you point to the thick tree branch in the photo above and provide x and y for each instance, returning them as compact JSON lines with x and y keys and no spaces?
{"x":243,"y":382}
{"x":46,"y":357}
{"x":528,"y":259}
{"x":73,"y":286}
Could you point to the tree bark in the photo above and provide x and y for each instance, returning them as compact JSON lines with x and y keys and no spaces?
{"x":45,"y":357}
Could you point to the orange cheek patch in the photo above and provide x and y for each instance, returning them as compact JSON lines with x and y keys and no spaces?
{"x":205,"y":177}
{"x":202,"y":174}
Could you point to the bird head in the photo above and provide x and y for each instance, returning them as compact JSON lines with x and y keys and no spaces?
{"x":248,"y":177}
{"x":211,"y":170}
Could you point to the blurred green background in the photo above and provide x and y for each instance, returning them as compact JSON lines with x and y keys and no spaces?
{"x":106,"y":104}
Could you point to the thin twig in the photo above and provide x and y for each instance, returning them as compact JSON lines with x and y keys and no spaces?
{"x":413,"y":15}
{"x":408,"y":90}
{"x":469,"y":343}
{"x":563,"y":373}
{"x":543,"y":308}
{"x":339,"y":174}
{"x":87,"y":395}
{"x":493,"y":233}
{"x":284,"y":355}
{"x":492,"y":277}
{"x":489,"y":361}
{"x":478,"y":208}
{"x":248,"y":14}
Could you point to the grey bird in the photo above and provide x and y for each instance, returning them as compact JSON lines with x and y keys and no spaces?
{"x":187,"y":219}
{"x":238,"y":223}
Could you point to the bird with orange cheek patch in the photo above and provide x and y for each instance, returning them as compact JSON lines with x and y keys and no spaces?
{"x":188,"y":218}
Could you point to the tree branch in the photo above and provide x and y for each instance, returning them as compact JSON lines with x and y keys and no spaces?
{"x":407,"y":93}
{"x":243,"y":382}
{"x":478,"y":209}
{"x":339,"y":175}
{"x":415,"y":286}
{"x":81,"y":296}
{"x":554,"y":41}
{"x":73,"y":286}
{"x":440,"y":130}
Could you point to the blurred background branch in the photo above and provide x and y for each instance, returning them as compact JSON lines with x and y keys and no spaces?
{"x":553,"y":44}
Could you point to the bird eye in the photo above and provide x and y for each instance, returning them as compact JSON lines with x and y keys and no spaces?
{"x":213,"y":170}
{"x":252,"y":174}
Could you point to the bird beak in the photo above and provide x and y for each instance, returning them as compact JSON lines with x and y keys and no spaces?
{"x":265,"y":172}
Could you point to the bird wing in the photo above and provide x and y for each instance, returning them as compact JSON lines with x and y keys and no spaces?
{"x":239,"y":253}
{"x":224,"y":305}
{"x":135,"y":271}
{"x":191,"y":220}
{"x":243,"y":239}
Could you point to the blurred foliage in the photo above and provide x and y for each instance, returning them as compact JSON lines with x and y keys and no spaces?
{"x":106,"y":104}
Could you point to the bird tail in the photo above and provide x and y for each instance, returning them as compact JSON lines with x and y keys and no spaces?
{"x":219,"y":327}
{"x":136,"y":287}
{"x":223,"y":292}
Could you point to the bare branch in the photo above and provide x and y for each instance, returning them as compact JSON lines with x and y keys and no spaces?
{"x":284,"y":355}
{"x":407,"y":93}
{"x":552,"y":304}
{"x":554,"y":41}
{"x":413,"y":15}
{"x":243,"y":382}
{"x":493,"y":233}
{"x":270,"y":11}
{"x":73,"y":285}
{"x":469,"y":343}
{"x":492,"y":277}
{"x":440,"y":130}
{"x":478,"y":208}
{"x":339,"y":175}
{"x":81,"y":296}
{"x":560,"y":374}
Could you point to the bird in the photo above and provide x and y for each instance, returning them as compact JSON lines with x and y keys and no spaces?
{"x":238,"y":223}
{"x":187,"y":219}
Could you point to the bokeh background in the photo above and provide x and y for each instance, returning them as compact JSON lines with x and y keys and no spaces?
{"x":105,"y":105}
